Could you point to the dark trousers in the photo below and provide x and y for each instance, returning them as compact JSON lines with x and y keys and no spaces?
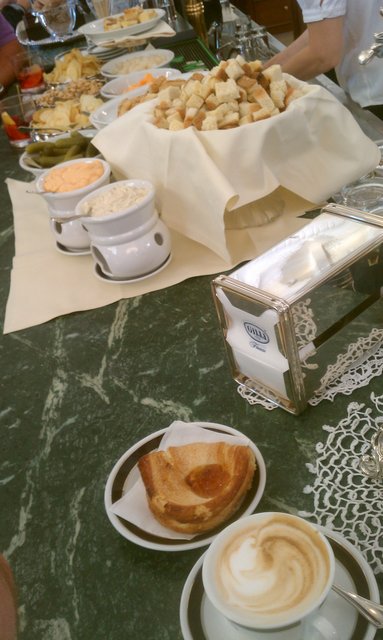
{"x":376,"y":109}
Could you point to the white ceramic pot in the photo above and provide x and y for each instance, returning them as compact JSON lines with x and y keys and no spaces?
{"x":131,"y":243}
{"x":70,"y":234}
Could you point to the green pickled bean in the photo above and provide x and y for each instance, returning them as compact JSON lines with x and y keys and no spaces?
{"x":73,"y":151}
{"x":65,"y":143}
{"x":91,"y":151}
{"x":46,"y":162}
{"x":35,"y":147}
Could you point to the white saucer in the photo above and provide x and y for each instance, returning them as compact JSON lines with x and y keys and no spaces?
{"x":201,"y":621}
{"x":123,"y":476}
{"x":105,"y":278}
{"x":71,"y":252}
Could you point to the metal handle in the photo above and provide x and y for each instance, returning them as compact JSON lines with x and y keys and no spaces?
{"x":365,"y":56}
{"x":372,"y":611}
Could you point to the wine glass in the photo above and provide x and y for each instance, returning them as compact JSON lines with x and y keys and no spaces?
{"x":58,"y":19}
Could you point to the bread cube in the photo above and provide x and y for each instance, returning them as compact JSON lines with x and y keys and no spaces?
{"x":226,"y":91}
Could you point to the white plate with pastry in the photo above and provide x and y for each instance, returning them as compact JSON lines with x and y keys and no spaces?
{"x":112,"y":27}
{"x":125,"y":477}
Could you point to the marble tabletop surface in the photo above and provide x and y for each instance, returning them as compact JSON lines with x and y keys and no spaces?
{"x":76,"y":393}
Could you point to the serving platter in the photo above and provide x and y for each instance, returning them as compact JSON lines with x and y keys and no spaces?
{"x":125,"y":473}
{"x":95,"y":30}
{"x":108,"y":112}
{"x":22,"y":36}
{"x":118,"y":86}
{"x":110,"y":69}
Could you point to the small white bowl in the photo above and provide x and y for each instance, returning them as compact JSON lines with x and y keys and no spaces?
{"x":71,"y":234}
{"x":23,"y":160}
{"x":110,"y":69}
{"x":129,"y":244}
{"x":65,"y":203}
{"x":119,"y":85}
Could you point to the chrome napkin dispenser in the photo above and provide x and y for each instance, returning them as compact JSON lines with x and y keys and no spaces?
{"x":295,"y":318}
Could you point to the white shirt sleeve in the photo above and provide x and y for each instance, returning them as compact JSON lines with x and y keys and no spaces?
{"x":315,"y":10}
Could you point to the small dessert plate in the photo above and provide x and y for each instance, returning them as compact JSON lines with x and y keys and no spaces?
{"x":125,"y":473}
{"x":71,"y":252}
{"x":105,"y":278}
{"x":201,"y":621}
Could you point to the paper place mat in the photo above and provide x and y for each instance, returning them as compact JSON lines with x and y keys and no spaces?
{"x":38,"y":267}
{"x":343,"y":499}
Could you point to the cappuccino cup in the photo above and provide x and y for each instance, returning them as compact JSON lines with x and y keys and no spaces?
{"x":270,"y":572}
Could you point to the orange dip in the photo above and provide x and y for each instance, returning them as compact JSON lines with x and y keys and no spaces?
{"x":73,"y":176}
{"x":147,"y":79}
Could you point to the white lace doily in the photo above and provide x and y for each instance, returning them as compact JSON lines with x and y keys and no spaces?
{"x":344,"y":500}
{"x":352,"y":370}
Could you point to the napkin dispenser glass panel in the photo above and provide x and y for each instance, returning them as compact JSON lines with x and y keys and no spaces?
{"x":291,"y":317}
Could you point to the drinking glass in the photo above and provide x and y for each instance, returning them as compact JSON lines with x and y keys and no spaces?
{"x":101,"y":8}
{"x":29,"y":71}
{"x":16,"y":114}
{"x":169,"y":7}
{"x":58,"y":19}
{"x":365,"y":194}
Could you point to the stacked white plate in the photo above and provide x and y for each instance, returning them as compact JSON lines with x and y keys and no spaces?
{"x":104,"y":53}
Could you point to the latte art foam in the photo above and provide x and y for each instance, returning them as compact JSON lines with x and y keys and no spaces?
{"x":273,"y":568}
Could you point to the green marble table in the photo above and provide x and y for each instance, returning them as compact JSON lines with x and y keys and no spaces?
{"x":76,"y":393}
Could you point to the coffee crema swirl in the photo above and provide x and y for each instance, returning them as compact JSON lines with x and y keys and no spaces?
{"x":274,"y":567}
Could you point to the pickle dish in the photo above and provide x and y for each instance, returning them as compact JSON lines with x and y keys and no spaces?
{"x":56,"y":153}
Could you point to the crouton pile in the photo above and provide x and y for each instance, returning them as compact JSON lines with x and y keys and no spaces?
{"x":232,"y":94}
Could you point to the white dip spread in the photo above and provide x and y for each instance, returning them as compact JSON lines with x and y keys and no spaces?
{"x":119,"y":198}
{"x":138,"y":64}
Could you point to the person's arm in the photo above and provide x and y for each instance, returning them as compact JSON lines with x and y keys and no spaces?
{"x":7,"y":74}
{"x":25,"y":4}
{"x":317,"y":50}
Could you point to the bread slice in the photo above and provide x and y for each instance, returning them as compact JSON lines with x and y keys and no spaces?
{"x":195,"y":487}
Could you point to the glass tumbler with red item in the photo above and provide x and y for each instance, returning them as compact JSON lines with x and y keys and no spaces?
{"x":29,"y":71}
{"x":16,"y":115}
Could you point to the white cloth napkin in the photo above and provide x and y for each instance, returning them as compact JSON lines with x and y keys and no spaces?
{"x":133,"y":506}
{"x":204,"y":178}
{"x":46,"y":284}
